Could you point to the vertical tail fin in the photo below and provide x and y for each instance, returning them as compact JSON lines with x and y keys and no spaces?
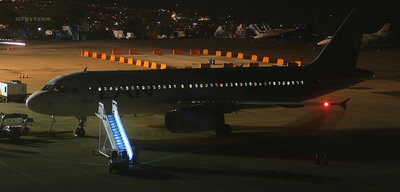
{"x":341,"y":53}
{"x":253,"y":27}
{"x":385,"y":28}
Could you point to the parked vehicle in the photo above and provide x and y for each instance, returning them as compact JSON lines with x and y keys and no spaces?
{"x":14,"y":125}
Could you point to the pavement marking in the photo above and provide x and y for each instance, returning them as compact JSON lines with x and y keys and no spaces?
{"x":161,"y":159}
{"x":75,"y":162}
{"x":25,"y":175}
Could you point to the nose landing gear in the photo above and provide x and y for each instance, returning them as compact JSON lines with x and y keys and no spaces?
{"x":222,"y":129}
{"x":80,"y":130}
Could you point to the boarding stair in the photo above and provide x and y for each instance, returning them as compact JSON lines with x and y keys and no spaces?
{"x":118,"y":147}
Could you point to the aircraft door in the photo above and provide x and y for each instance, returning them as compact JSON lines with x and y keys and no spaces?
{"x":86,"y":90}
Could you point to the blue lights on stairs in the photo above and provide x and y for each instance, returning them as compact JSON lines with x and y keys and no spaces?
{"x":116,"y":133}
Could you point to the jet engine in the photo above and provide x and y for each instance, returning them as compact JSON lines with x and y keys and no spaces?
{"x":184,"y":120}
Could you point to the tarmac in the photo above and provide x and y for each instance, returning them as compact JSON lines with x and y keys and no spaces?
{"x":270,"y":149}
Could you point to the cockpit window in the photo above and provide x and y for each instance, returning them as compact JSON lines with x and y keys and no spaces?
{"x":55,"y":88}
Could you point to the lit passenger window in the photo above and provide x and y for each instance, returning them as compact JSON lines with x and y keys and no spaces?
{"x":236,"y":84}
{"x":90,"y":88}
{"x":250,"y":84}
{"x":221,"y":85}
{"x":265,"y":83}
{"x":105,"y":88}
{"x":211,"y":85}
{"x":190,"y":85}
{"x":195,"y":85}
{"x":245,"y":84}
{"x":127,"y":87}
{"x":269,"y":82}
{"x":137,"y":87}
{"x":169,"y":86}
{"x":182,"y":86}
{"x":116,"y":88}
{"x":241,"y":84}
{"x":288,"y":83}
{"x":159,"y":86}
{"x":99,"y":89}
{"x":110,"y":89}
{"x":154,"y":87}
{"x":121,"y":88}
{"x":292,"y":82}
{"x":231,"y":84}
{"x":164,"y":87}
{"x":279,"y":83}
{"x":302,"y":82}
{"x":206,"y":85}
{"x":297,"y":82}
{"x":174,"y":86}
{"x":273,"y":83}
{"x":226,"y":85}
{"x":133,"y":87}
{"x":201,"y":85}
{"x":283,"y":82}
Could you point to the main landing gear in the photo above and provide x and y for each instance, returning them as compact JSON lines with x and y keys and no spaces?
{"x":222,"y":129}
{"x":80,"y":130}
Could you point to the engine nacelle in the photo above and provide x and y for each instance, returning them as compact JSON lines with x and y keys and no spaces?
{"x":292,"y":106}
{"x":183,"y":120}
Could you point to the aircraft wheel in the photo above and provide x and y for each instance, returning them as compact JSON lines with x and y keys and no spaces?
{"x":109,"y":166}
{"x":80,"y":132}
{"x":15,"y":134}
{"x":223,"y":130}
{"x":25,"y":131}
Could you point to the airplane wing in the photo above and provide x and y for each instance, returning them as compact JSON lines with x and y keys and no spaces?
{"x":232,"y":106}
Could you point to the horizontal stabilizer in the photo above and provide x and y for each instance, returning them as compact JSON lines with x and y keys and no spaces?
{"x":342,"y":104}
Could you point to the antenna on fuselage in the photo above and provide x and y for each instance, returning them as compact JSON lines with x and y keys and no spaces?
{"x":85,"y":69}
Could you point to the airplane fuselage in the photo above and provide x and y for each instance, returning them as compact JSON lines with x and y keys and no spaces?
{"x":160,"y":91}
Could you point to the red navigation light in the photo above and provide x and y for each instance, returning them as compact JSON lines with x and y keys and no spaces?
{"x":326,"y":104}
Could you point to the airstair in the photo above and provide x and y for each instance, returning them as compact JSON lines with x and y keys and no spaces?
{"x":116,"y":135}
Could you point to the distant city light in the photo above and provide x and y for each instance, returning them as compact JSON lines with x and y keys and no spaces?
{"x":204,"y":19}
{"x":39,"y":29}
{"x":173,"y":16}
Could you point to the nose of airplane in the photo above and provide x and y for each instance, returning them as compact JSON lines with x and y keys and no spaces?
{"x":34,"y":102}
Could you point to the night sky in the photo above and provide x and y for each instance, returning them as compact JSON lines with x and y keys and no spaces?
{"x":286,"y":11}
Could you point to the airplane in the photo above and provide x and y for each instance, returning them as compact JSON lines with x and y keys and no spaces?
{"x":197,"y":99}
{"x":367,"y":39}
{"x":268,"y":32}
{"x":240,"y":32}
{"x":223,"y":32}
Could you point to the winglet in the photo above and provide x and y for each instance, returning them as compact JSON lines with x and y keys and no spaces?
{"x":85,"y":69}
{"x":343,"y":104}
